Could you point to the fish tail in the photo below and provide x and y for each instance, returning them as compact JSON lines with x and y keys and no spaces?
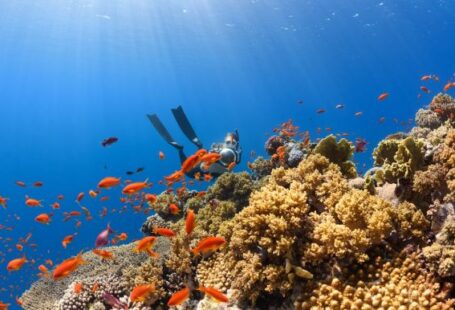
{"x":153,"y":254}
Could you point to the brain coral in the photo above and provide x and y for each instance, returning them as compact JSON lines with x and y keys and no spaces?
{"x":235,"y":187}
{"x":339,"y":153}
{"x":398,"y":159}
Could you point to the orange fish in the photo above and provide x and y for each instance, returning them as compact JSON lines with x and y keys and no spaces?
{"x":174,"y":209}
{"x":123,"y":236}
{"x":31,"y":202}
{"x":43,"y":218}
{"x":79,"y":197}
{"x":38,"y":184}
{"x":60,"y":197}
{"x":425,"y":78}
{"x":214,"y":293}
{"x":92,"y":193}
{"x":133,"y":188}
{"x":424,"y":89}
{"x":383,"y":96}
{"x":150,"y":198}
{"x":109,"y":182}
{"x":141,"y":292}
{"x":3,"y":201}
{"x":162,"y":231}
{"x":320,"y":111}
{"x":104,"y":198}
{"x":16,"y":264}
{"x":210,"y":158}
{"x":179,"y":297}
{"x":18,"y":302}
{"x":95,"y":287}
{"x":20,"y":183}
{"x":208,"y":244}
{"x":67,"y":240}
{"x":192,"y":161}
{"x":103,"y":253}
{"x":161,"y":155}
{"x":448,"y":86}
{"x":68,"y":266}
{"x":19,"y":247}
{"x":49,"y":262}
{"x":190,"y":222}
{"x":231,"y":166}
{"x":55,"y":206}
{"x":145,"y":245}
{"x":44,"y":271}
{"x":3,"y":306}
{"x":78,"y":287}
{"x":207,"y":177}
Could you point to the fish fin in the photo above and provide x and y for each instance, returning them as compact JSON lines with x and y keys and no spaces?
{"x":153,"y":253}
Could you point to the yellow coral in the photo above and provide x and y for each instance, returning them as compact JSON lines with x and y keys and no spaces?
{"x":401,"y":283}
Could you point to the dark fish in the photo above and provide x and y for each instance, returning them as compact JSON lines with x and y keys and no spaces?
{"x":140,"y":169}
{"x":300,"y":101}
{"x":360,"y":145}
{"x":109,"y":141}
{"x":320,"y":111}
{"x":103,"y":237}
{"x":114,"y":301}
{"x":129,"y":172}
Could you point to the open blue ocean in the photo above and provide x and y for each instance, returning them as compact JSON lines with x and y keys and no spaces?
{"x":75,"y":72}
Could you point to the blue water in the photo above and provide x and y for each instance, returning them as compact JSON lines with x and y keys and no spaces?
{"x":75,"y":72}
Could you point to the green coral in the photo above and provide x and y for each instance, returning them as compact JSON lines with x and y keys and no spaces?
{"x":398,"y":159}
{"x":339,"y":153}
{"x":211,"y":218}
{"x":235,"y":187}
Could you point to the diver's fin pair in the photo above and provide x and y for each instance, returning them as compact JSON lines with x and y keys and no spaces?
{"x":163,"y":131}
{"x":184,"y":125}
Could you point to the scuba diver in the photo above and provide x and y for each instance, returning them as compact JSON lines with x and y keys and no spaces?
{"x":229,"y":150}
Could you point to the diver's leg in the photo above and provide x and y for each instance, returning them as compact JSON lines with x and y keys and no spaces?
{"x":182,"y":156}
{"x":163,"y":131}
{"x":185,"y":126}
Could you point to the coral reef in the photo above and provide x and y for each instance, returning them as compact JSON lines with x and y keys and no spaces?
{"x":302,"y":231}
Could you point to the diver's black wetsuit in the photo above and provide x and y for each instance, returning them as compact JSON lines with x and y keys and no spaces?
{"x":216,"y":169}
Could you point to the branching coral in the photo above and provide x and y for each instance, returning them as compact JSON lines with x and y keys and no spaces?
{"x":359,"y":221}
{"x":444,"y":106}
{"x":339,"y":153}
{"x":446,"y":157}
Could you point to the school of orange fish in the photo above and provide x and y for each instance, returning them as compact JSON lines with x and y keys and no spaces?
{"x":134,"y":194}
